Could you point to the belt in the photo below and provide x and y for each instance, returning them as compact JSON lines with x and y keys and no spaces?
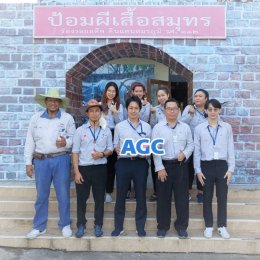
{"x":173,"y":161}
{"x":42,"y":156}
{"x":132,"y":158}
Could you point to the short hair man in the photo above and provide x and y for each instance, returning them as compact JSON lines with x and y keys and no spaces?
{"x":172,"y":170}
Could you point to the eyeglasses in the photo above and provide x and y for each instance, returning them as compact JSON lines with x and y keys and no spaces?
{"x":169,"y":109}
{"x":213,"y":109}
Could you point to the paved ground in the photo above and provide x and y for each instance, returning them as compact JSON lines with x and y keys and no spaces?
{"x":44,"y":254}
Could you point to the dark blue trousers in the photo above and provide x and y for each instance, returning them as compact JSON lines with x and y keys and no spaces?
{"x":127,"y":170}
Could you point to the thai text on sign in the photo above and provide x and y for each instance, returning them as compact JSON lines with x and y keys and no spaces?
{"x":130,"y":22}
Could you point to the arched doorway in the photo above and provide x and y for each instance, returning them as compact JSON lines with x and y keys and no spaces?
{"x":104,"y":54}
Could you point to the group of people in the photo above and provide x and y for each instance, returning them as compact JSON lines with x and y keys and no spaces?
{"x":195,"y":141}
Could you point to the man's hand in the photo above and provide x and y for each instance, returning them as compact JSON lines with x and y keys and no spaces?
{"x":61,"y":142}
{"x":181,"y":156}
{"x":78,"y":177}
{"x":162,"y":175}
{"x":201,"y":178}
{"x":96,"y":155}
{"x":29,"y":170}
{"x":117,"y":150}
{"x":228,"y":175}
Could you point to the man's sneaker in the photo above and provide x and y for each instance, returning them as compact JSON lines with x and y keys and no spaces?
{"x":223,"y":232}
{"x":189,"y":196}
{"x":35,"y":233}
{"x":161,"y":233}
{"x":153,"y":197}
{"x":208,"y":232}
{"x":128,"y":195}
{"x":66,"y":231}
{"x":98,"y":231}
{"x":108,"y":198}
{"x":141,"y":232}
{"x":80,"y":232}
{"x":182,"y":233}
{"x":200,"y":198}
{"x":117,"y":232}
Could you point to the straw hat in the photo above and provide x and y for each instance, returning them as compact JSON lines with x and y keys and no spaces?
{"x":52,"y":93}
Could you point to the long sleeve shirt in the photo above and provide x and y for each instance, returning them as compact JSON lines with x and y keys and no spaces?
{"x":205,"y":150}
{"x":87,"y":139}
{"x":177,"y":139}
{"x":43,"y":132}
{"x":197,"y":118}
{"x":124,"y":130}
{"x":112,"y":120}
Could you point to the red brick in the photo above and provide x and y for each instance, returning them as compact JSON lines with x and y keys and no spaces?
{"x":251,"y":164}
{"x":255,"y":112}
{"x":249,"y":138}
{"x":8,"y":150}
{"x":251,"y":103}
{"x":245,"y":129}
{"x":256,"y":130}
{"x":249,"y":146}
{"x":239,"y":146}
{"x":3,"y":142}
{"x":242,"y":94}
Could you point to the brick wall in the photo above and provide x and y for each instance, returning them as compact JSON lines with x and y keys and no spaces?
{"x":229,"y":69}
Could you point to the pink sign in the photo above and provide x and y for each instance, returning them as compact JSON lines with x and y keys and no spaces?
{"x":130,"y":22}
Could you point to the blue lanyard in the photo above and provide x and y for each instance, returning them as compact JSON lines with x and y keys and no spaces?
{"x":93,"y":133}
{"x":140,"y":134}
{"x":214,"y":139}
{"x":201,"y":113}
{"x":173,"y":126}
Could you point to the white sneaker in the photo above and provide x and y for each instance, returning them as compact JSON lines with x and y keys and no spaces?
{"x":208,"y":232}
{"x":35,"y":233}
{"x":108,"y":198}
{"x":223,"y":232}
{"x":66,"y":231}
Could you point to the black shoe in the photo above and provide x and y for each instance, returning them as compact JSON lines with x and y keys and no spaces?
{"x":80,"y":232}
{"x":153,"y":197}
{"x":182,"y":234}
{"x":161,"y":233}
{"x":117,"y":232}
{"x":141,"y":232}
{"x":200,"y":198}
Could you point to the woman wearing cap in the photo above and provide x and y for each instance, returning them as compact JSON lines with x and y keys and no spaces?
{"x":194,"y":115}
{"x":113,"y":113}
{"x":47,"y":148}
{"x":92,"y":144}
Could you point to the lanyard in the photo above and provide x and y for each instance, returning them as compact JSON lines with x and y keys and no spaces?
{"x":140,"y":134}
{"x":203,"y":114}
{"x":93,"y":133}
{"x":173,"y":126}
{"x":214,"y":139}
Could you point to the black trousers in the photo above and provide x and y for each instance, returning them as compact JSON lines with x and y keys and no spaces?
{"x":94,"y":176}
{"x":214,"y":172}
{"x":177,"y":182}
{"x":192,"y":174}
{"x":127,"y":170}
{"x":111,"y":161}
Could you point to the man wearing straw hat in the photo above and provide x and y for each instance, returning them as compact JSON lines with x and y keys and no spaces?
{"x":47,"y":148}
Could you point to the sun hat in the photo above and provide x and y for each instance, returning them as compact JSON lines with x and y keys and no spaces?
{"x":91,"y":103}
{"x":52,"y":93}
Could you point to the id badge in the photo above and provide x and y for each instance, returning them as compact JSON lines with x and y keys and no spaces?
{"x":216,"y":157}
{"x":175,"y":138}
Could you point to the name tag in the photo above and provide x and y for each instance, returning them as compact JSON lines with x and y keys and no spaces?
{"x":216,"y":156}
{"x":175,"y":138}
